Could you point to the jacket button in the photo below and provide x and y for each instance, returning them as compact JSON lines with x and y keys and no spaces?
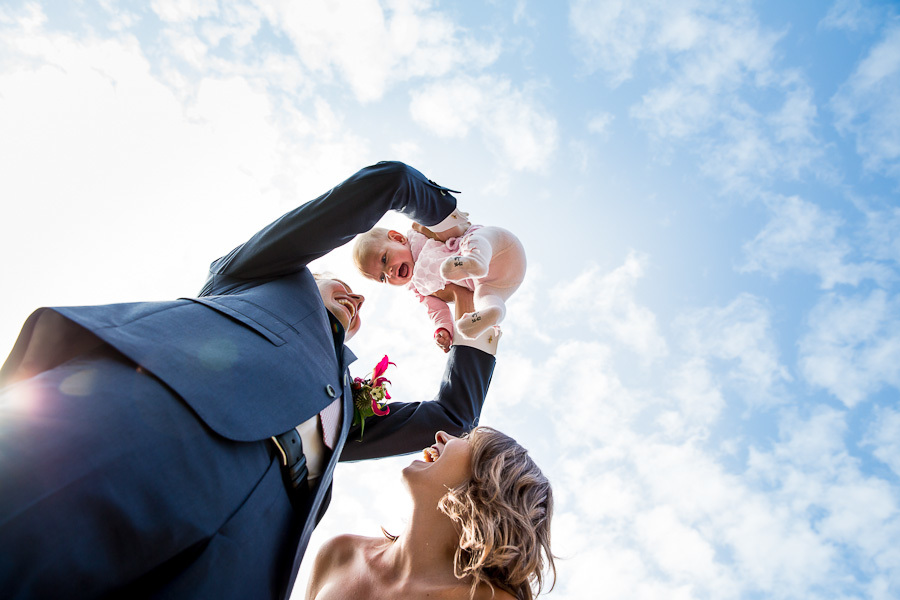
{"x":330,"y":391}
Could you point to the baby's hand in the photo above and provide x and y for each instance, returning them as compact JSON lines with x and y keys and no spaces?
{"x":443,"y":339}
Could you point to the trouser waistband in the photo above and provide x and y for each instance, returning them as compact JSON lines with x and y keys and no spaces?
{"x":289,"y":450}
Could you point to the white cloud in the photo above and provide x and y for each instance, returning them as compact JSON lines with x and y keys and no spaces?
{"x":513,"y":124}
{"x":714,"y":43}
{"x":367,"y":45}
{"x":524,"y":309}
{"x":678,"y":549}
{"x":852,"y":347}
{"x":599,"y":123}
{"x":665,"y":520}
{"x":610,"y":34}
{"x":884,"y":435}
{"x":739,"y":334}
{"x":853,"y":15}
{"x":184,"y":10}
{"x":590,"y":403}
{"x":697,"y":400}
{"x":801,"y":236}
{"x":882,"y":233}
{"x":707,"y":55}
{"x":371,"y":47}
{"x":811,"y":470}
{"x":90,"y":128}
{"x":607,"y":303}
{"x":866,"y":108}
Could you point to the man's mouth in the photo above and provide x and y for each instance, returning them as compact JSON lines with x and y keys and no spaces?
{"x":351,"y":308}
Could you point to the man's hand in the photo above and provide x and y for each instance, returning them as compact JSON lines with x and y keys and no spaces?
{"x":460,"y":297}
{"x":443,"y":236}
{"x":425,"y":231}
{"x":442,"y":339}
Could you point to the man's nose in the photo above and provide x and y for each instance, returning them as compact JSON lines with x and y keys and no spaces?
{"x":358,"y":299}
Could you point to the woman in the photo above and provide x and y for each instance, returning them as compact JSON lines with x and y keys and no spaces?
{"x":480,"y":528}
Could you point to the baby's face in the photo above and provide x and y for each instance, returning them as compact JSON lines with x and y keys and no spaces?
{"x":391,"y":261}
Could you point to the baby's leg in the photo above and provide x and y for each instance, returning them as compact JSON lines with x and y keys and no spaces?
{"x":473,"y":259}
{"x":492,"y":290}
{"x":490,"y":308}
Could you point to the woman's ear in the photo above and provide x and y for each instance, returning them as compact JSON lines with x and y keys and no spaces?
{"x":396,"y":236}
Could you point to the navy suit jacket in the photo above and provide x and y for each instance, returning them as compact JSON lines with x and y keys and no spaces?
{"x":254,"y":354}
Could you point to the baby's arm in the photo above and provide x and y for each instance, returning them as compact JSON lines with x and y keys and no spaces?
{"x":439,"y":313}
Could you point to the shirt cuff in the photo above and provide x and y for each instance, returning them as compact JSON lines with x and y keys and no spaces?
{"x":453,"y":219}
{"x":486,"y":342}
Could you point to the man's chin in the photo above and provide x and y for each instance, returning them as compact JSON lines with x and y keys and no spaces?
{"x":350,"y":331}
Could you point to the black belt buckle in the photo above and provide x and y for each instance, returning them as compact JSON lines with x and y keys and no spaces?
{"x":293,"y":466}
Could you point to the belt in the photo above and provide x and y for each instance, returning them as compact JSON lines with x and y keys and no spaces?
{"x":293,"y":467}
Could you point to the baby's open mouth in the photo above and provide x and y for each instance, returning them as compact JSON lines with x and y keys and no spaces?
{"x":403,"y":271}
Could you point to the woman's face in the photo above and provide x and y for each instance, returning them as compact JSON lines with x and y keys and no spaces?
{"x":447,"y":463}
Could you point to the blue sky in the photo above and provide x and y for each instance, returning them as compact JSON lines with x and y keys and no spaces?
{"x":704,"y":355}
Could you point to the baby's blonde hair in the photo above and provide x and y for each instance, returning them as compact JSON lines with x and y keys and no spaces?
{"x":365,"y":243}
{"x":503,"y":513}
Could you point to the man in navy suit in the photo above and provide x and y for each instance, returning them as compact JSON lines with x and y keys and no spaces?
{"x":186,"y":448}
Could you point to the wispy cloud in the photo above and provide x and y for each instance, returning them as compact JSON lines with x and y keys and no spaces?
{"x":369,"y":46}
{"x":599,"y":123}
{"x":852,"y":347}
{"x":866,"y":107}
{"x":801,"y":236}
{"x":740,"y":335}
{"x":173,"y":11}
{"x":372,"y":47}
{"x":126,"y":141}
{"x":608,"y":303}
{"x":881,"y":234}
{"x":812,"y":470}
{"x":852,"y":15}
{"x":513,"y":124}
{"x":705,"y":57}
{"x":884,"y":436}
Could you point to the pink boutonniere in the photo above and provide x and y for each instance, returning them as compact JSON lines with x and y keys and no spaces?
{"x":369,"y":395}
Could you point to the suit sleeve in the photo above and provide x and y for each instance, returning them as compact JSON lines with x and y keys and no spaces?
{"x":331,"y":220}
{"x":411,"y":426}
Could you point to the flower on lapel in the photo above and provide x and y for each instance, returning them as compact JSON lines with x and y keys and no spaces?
{"x":369,"y":395}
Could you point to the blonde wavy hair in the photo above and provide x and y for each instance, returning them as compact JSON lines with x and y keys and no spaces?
{"x":503,"y":513}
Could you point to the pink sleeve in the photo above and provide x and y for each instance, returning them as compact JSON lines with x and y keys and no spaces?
{"x":438,"y":312}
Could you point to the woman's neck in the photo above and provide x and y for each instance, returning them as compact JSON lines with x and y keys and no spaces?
{"x":427,"y":548}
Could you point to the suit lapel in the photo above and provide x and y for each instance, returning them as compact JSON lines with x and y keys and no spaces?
{"x":323,"y":488}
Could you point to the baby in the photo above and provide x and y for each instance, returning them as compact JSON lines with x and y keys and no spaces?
{"x":489,"y":261}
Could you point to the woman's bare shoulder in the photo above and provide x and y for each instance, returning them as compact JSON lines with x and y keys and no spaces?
{"x":343,"y":548}
{"x":485,"y":593}
{"x":338,"y":556}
